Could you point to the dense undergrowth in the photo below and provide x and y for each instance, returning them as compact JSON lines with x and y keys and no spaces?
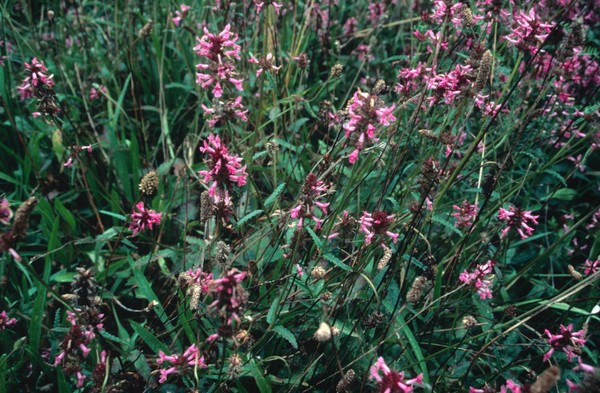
{"x":300,"y":196}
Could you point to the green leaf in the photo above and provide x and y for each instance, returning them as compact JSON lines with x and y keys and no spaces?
{"x":557,"y":176}
{"x":248,"y":217}
{"x":154,"y":343}
{"x":337,"y":262}
{"x":564,"y":194}
{"x":272,"y":310}
{"x":261,"y":381}
{"x":273,"y":197}
{"x":287,"y":335}
{"x":114,"y":215}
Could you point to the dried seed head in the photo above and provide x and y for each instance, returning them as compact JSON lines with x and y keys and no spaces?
{"x":343,"y":385}
{"x":222,"y":257}
{"x":336,"y":70}
{"x":318,"y":272}
{"x":469,"y":322}
{"x":326,"y":296}
{"x":235,"y":366}
{"x":242,"y":337}
{"x":574,"y":273}
{"x":272,"y":147}
{"x":379,"y":87}
{"x":372,"y":320}
{"x":84,"y":286}
{"x":467,"y":15}
{"x":194,"y":291}
{"x":50,"y":14}
{"x":416,"y":290}
{"x":149,"y":183}
{"x":428,"y":134}
{"x":546,"y":381}
{"x":485,"y":67}
{"x":385,"y":259}
{"x":207,"y":207}
{"x":21,"y":221}
{"x":323,"y":333}
{"x":146,"y":30}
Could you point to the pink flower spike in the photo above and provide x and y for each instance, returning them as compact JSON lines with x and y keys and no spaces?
{"x":517,"y":219}
{"x":5,"y":212}
{"x":143,"y":218}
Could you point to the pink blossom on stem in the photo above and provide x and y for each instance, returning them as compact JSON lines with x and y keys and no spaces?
{"x":392,"y":381}
{"x":230,"y":296}
{"x":143,"y":218}
{"x":480,"y":279}
{"x":365,"y":113}
{"x":36,"y":80}
{"x":312,"y":193}
{"x":224,"y":170}
{"x":591,"y":267}
{"x":179,"y":15}
{"x":180,"y":364}
{"x":517,"y":219}
{"x":528,"y":31}
{"x":5,"y":321}
{"x":5,"y":212}
{"x":569,"y":341}
{"x":465,"y":214}
{"x":265,"y":64}
{"x":375,"y":225}
{"x":225,"y":111}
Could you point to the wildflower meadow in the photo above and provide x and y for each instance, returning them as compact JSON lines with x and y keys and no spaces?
{"x":300,"y":196}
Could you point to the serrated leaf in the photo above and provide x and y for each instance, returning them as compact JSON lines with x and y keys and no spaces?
{"x":445,"y":223}
{"x":337,"y":262}
{"x":287,"y":335}
{"x":557,"y":176}
{"x":248,"y":217}
{"x":272,"y":311}
{"x":315,"y":238}
{"x":273,"y":197}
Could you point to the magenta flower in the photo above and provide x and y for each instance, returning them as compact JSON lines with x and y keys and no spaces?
{"x":377,"y":224}
{"x":224,"y":170}
{"x":95,"y":94}
{"x":392,"y":381}
{"x":312,"y":191}
{"x":5,"y":212}
{"x":465,"y":214}
{"x":220,"y":50}
{"x":528,"y":31}
{"x":365,"y":112}
{"x":265,"y":64}
{"x":518,"y":219}
{"x":5,"y":321}
{"x":450,"y":85}
{"x":480,"y":279}
{"x":591,"y":267}
{"x":36,"y":80}
{"x":179,"y":15}
{"x":143,"y":218}
{"x":569,"y":341}
{"x":180,"y":364}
